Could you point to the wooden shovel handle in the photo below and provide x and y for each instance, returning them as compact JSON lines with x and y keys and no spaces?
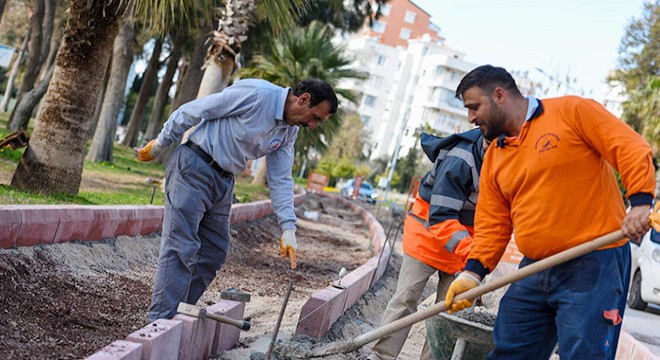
{"x":533,"y":268}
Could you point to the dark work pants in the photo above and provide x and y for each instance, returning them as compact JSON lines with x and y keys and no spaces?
{"x":195,"y":236}
{"x":579,"y":304}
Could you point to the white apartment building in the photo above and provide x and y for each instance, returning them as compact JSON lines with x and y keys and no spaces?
{"x":407,"y":89}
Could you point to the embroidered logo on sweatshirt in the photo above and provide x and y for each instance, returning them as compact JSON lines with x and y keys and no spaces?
{"x":274,"y":144}
{"x":546,"y":142}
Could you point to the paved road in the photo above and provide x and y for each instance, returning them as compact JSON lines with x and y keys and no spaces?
{"x":644,"y":326}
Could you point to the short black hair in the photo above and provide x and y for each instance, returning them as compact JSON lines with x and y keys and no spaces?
{"x":320,"y":91}
{"x":487,"y":78}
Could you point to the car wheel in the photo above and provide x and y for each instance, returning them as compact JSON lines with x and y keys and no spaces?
{"x":635,"y":297}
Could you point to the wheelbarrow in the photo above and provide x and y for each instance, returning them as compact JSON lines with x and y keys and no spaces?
{"x":453,"y":337}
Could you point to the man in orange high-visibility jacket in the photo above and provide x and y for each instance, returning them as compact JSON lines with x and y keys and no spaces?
{"x":437,"y":231}
{"x":549,"y":177}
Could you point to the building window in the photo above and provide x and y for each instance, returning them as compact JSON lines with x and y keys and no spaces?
{"x":379,"y":26}
{"x":370,"y":100}
{"x":385,"y":9}
{"x":375,"y":81}
{"x":366,"y":119}
{"x":439,"y":70}
{"x":380,"y":60}
{"x":410,"y":17}
{"x":405,"y":34}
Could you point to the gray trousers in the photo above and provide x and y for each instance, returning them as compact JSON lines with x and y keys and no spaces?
{"x":413,"y":277}
{"x":195,"y":236}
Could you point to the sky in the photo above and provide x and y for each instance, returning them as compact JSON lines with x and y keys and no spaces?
{"x":574,"y":38}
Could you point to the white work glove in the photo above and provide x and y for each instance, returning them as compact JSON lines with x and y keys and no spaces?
{"x":149,"y":151}
{"x":288,"y":246}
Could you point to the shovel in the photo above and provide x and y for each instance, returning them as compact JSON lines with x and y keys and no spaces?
{"x":538,"y":266}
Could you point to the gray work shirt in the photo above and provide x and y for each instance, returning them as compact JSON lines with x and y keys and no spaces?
{"x":243,"y":122}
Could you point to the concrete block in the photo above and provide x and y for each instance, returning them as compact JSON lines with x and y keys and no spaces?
{"x":38,"y":224}
{"x":118,"y":350}
{"x":321,"y":311}
{"x":160,"y":339}
{"x":357,"y":283}
{"x":10,"y":225}
{"x":75,"y":223}
{"x":196,"y":337}
{"x":226,"y":336}
{"x":150,"y":218}
{"x":105,"y":222}
{"x":239,"y":213}
{"x":129,"y":223}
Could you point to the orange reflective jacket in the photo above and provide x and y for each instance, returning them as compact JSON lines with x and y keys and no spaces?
{"x":438,"y":230}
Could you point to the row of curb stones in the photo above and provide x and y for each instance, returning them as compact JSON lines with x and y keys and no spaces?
{"x":186,"y":337}
{"x":327,"y":305}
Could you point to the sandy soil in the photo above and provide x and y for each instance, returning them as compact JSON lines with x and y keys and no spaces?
{"x":65,"y":301}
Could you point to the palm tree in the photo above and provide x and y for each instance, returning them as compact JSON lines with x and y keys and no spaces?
{"x":53,"y":160}
{"x":122,"y":58}
{"x":300,"y":54}
{"x":235,"y":21}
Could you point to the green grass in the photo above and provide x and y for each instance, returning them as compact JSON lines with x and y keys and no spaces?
{"x":125,"y":181}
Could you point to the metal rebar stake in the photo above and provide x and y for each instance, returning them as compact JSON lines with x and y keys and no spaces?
{"x":279,"y":320}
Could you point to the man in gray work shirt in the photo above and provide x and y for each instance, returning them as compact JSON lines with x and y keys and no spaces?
{"x":248,"y":120}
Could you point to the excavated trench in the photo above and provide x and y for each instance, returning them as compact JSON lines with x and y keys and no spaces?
{"x":66,"y":301}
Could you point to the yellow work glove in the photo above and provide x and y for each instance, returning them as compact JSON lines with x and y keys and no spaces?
{"x":149,"y":151}
{"x":654,"y":218}
{"x":288,"y":246}
{"x":463,"y":282}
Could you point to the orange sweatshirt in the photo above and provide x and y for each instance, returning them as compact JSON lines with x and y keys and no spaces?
{"x":554,"y":183}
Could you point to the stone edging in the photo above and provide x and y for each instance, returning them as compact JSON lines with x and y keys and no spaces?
{"x":28,"y":225}
{"x":326,"y":305}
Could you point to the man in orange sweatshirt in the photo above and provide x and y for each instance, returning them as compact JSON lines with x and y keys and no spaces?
{"x":549,"y":178}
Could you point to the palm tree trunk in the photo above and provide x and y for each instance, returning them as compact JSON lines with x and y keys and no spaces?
{"x":14,"y":72}
{"x":156,"y":117}
{"x":216,"y":76}
{"x":53,"y":161}
{"x":99,"y":99}
{"x":226,"y":44}
{"x":187,"y":85}
{"x":42,"y":31}
{"x":134,"y":124}
{"x":23,"y":110}
{"x":260,"y":176}
{"x":122,"y":58}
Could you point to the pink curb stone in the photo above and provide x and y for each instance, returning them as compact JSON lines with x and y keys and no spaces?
{"x":10,"y":225}
{"x":150,"y":217}
{"x":106,"y":221}
{"x":357,"y":283}
{"x":118,"y":350}
{"x":39,"y":224}
{"x":226,"y":336}
{"x":161,"y":339}
{"x":196,"y":337}
{"x":75,"y":223}
{"x":321,"y":310}
{"x":129,"y":223}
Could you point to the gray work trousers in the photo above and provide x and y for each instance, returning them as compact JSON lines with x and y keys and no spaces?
{"x":413,"y":277}
{"x":195,"y":236}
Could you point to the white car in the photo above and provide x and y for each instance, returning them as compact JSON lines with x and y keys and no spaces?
{"x":645,"y":272}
